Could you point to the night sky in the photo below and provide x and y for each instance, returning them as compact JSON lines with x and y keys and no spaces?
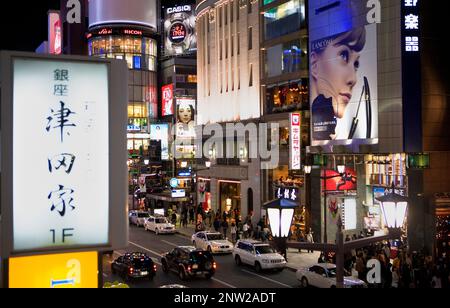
{"x":24,"y":24}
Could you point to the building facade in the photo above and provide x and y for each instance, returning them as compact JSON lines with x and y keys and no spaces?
{"x":228,"y":92}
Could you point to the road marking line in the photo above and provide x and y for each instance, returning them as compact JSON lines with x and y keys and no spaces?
{"x":169,"y":243}
{"x":224,"y":283}
{"x":148,"y":250}
{"x":155,"y":253}
{"x":268,"y":279}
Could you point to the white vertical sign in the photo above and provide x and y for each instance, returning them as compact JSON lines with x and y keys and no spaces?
{"x":295,"y":141}
{"x":61,"y":154}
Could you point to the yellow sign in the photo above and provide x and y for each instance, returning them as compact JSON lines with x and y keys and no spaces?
{"x":77,"y":270}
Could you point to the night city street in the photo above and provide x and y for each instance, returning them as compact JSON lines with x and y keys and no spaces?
{"x":225,"y":151}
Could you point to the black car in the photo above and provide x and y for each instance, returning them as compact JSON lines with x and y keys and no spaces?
{"x":189,"y":262}
{"x":134,"y":266}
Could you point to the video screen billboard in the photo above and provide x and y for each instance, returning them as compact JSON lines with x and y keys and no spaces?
{"x":185,"y":117}
{"x":160,"y":132}
{"x":167,"y":100}
{"x":343,"y":74}
{"x":179,"y":30}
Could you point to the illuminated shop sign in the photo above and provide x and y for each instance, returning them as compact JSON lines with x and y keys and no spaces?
{"x":288,"y":193}
{"x":295,"y":144}
{"x":340,"y":182}
{"x":55,"y":33}
{"x":119,"y":31}
{"x":411,"y":25}
{"x":179,"y":31}
{"x":167,"y":100}
{"x":178,"y":193}
{"x":179,"y":9}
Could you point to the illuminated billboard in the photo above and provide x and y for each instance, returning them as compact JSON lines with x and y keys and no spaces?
{"x":62,"y":271}
{"x":160,"y":132}
{"x":54,"y":33}
{"x":185,"y":117}
{"x":343,"y":74}
{"x":167,"y":100}
{"x":179,"y":30}
{"x":139,"y":12}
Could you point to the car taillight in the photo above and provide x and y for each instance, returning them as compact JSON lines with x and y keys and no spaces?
{"x":214,"y":265}
{"x":189,"y":269}
{"x":154,"y":268}
{"x":131,"y":270}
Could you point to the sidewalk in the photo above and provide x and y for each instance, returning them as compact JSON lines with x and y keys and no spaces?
{"x":296,"y":260}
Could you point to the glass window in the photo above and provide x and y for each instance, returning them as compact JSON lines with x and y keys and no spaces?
{"x":287,"y":97}
{"x":284,"y":19}
{"x":288,"y":57}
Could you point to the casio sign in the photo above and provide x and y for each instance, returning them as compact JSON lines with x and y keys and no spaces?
{"x":179,"y":9}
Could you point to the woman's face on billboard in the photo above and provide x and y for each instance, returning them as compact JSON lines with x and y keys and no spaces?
{"x":185,"y":114}
{"x":334,"y":71}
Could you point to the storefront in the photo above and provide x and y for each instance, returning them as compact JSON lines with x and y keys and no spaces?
{"x":230,"y":198}
{"x":442,"y":204}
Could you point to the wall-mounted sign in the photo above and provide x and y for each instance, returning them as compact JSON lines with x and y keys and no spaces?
{"x":174,"y":183}
{"x":179,"y":31}
{"x":54,"y":33}
{"x":178,"y":193}
{"x":77,"y":270}
{"x":160,"y":132}
{"x":340,"y":182}
{"x":295,"y":142}
{"x":185,"y":117}
{"x":167,"y":100}
{"x":288,"y":193}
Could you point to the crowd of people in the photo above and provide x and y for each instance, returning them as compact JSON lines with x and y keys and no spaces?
{"x":399,"y":268}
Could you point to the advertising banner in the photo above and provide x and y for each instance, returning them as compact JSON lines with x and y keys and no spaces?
{"x":179,"y":30}
{"x":167,"y":100}
{"x":186,"y":118}
{"x":54,"y":33}
{"x":295,"y":142}
{"x":160,"y":132}
{"x":340,"y":182}
{"x":343,"y":74}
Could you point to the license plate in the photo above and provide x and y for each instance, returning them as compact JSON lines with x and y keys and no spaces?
{"x":195,"y":266}
{"x":144,"y":273}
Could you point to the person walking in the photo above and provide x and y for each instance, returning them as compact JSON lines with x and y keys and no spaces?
{"x":217,"y":224}
{"x":245,"y":230}
{"x":233,"y":233}
{"x":310,"y":238}
{"x":225,"y":228}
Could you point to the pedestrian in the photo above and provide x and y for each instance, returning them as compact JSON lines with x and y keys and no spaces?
{"x":233,"y":232}
{"x":217,"y":224}
{"x":174,"y":219}
{"x":310,"y":238}
{"x":245,"y":230}
{"x":321,"y":259}
{"x":191,"y":215}
{"x":225,"y":228}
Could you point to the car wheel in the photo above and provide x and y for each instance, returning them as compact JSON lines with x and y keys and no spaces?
{"x":333,"y":287}
{"x":258,"y":267}
{"x":195,"y":244}
{"x":280,"y":270}
{"x":238,"y":261}
{"x":165,"y":267}
{"x":182,"y":273}
{"x":208,"y":276}
{"x":305,"y":282}
{"x":156,"y":231}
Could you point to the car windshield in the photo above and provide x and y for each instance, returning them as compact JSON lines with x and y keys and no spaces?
{"x":160,"y":220}
{"x":143,"y":215}
{"x":199,"y":256}
{"x":215,"y":237}
{"x":331,"y":273}
{"x":262,"y":250}
{"x":140,"y":263}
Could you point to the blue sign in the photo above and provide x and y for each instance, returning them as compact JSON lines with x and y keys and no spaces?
{"x":174,"y":183}
{"x":137,"y":62}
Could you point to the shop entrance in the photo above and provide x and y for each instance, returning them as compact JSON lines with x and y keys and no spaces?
{"x":230,"y":199}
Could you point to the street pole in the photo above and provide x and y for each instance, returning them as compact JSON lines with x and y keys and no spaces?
{"x":325,"y":231}
{"x":340,"y":255}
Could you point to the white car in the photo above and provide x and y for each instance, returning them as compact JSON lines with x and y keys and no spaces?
{"x":324,"y":276}
{"x":260,"y":255}
{"x":159,"y":225}
{"x":139,"y":219}
{"x":213,"y":242}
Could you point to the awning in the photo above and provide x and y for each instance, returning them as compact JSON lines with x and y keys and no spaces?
{"x":283,"y":203}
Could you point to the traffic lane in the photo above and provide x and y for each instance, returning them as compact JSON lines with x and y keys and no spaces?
{"x":161,"y":278}
{"x":241,"y":277}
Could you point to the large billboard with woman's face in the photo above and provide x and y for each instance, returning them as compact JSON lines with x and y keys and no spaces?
{"x":343,"y":73}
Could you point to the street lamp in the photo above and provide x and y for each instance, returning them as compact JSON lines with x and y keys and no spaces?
{"x":280,"y":214}
{"x":208,"y":164}
{"x":394,"y":207}
{"x":308,"y":169}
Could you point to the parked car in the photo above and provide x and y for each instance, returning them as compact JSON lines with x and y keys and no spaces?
{"x":134,"y":266}
{"x":132,"y":216}
{"x":260,"y":255}
{"x":139,"y":218}
{"x":213,"y":242}
{"x":189,"y":262}
{"x":159,"y":225}
{"x":324,"y":276}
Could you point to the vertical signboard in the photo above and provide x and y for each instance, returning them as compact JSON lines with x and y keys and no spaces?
{"x":412,"y":80}
{"x":62,"y":271}
{"x":54,"y":33}
{"x":186,"y":117}
{"x":61,"y":154}
{"x":295,"y":141}
{"x":343,"y":73}
{"x":179,"y":31}
{"x":160,"y":132}
{"x":167,"y":100}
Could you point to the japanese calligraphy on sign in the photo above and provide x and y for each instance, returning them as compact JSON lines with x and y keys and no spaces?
{"x":288,"y":193}
{"x":411,"y":25}
{"x":65,"y":108}
{"x":295,"y":138}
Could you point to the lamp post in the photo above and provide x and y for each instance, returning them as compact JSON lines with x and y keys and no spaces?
{"x":280,"y":214}
{"x":394,"y":208}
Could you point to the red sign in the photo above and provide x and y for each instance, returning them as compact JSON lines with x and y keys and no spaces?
{"x":340,"y":182}
{"x":132,"y":32}
{"x":167,"y":100}
{"x":55,"y":33}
